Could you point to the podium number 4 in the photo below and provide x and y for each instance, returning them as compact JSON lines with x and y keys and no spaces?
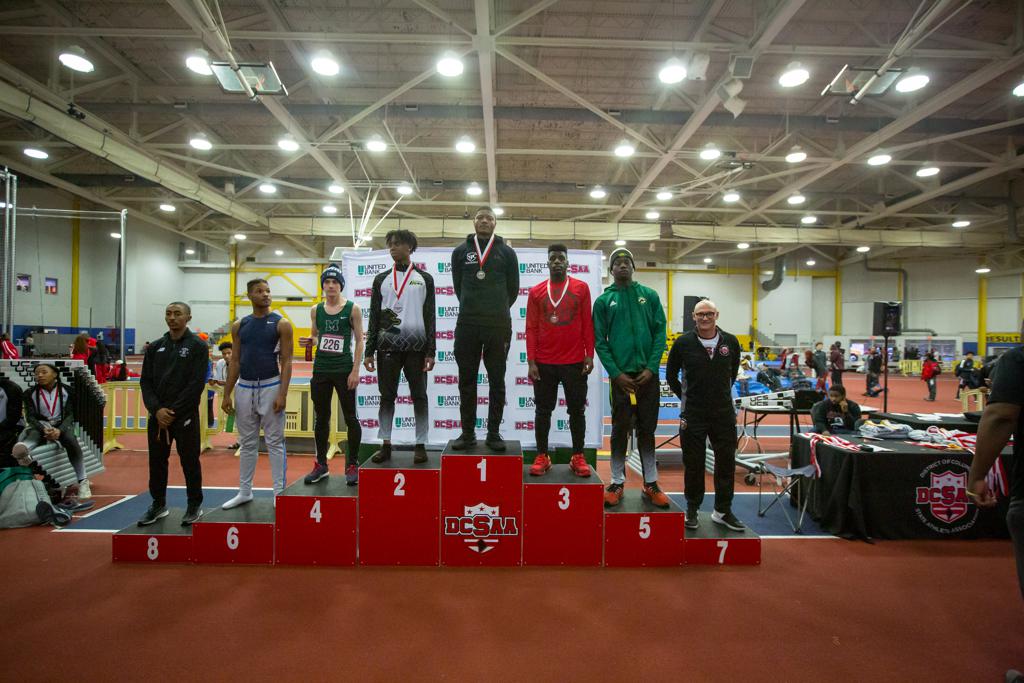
{"x":721,"y":556}
{"x":314,"y":512}
{"x":152,"y":548}
{"x":645,"y":527}
{"x":399,"y":483}
{"x":482,"y":466}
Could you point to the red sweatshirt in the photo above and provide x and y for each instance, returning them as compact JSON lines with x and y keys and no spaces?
{"x":570,"y":338}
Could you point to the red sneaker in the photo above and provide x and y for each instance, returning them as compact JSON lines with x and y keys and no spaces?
{"x":613,"y":495}
{"x":540,"y":465}
{"x":655,"y":495}
{"x":579,"y":465}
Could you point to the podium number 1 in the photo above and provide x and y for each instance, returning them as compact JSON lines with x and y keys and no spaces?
{"x":645,"y":527}
{"x":232,"y":538}
{"x":314,"y":512}
{"x":564,"y":503}
{"x":482,"y":466}
{"x":399,"y":483}
{"x":721,"y":556}
{"x":153,"y":548}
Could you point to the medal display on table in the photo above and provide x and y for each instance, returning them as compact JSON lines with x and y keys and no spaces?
{"x":482,"y":256}
{"x":554,"y":304}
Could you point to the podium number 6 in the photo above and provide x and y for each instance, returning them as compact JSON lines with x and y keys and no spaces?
{"x":153,"y":548}
{"x":482,"y":466}
{"x":314,"y":512}
{"x":721,"y":556}
{"x":399,"y":483}
{"x":645,"y":527}
{"x":564,"y":503}
{"x":232,"y":538}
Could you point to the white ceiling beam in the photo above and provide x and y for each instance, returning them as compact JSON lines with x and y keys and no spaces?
{"x":522,"y":16}
{"x":822,"y":254}
{"x":880,"y":253}
{"x":484,"y":43}
{"x":781,"y":251}
{"x":1012,"y":123}
{"x":688,"y":249}
{"x":442,"y":15}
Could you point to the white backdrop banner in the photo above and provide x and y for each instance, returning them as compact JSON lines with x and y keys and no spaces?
{"x":443,"y":383}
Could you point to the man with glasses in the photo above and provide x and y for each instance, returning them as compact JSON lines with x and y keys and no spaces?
{"x":709,"y":359}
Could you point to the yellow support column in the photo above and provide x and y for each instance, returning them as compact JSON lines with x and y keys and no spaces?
{"x":839,"y":302}
{"x":982,"y":315}
{"x":232,"y":282}
{"x":76,"y":244}
{"x":754,"y":273}
{"x":668,"y":296}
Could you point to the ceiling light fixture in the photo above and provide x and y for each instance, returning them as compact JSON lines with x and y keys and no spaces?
{"x":450,"y":65}
{"x":664,"y":195}
{"x":652,"y":215}
{"x":743,"y":245}
{"x":710,"y":152}
{"x":620,"y":243}
{"x":795,"y":199}
{"x":796,"y":155}
{"x":911,"y":81}
{"x":598,"y":193}
{"x":961,"y":223}
{"x":498,"y":211}
{"x":809,"y":220}
{"x":376,"y":144}
{"x":624,"y":149}
{"x":1019,"y":90}
{"x":731,"y":197}
{"x":879,"y":159}
{"x":927,"y":171}
{"x":334,"y":188}
{"x":278,"y":252}
{"x":240,"y":236}
{"x":810,"y":262}
{"x":325,"y":64}
{"x":288,"y":143}
{"x":794,"y":75}
{"x":36,"y":153}
{"x":708,"y":259}
{"x":201,"y":142}
{"x":169,"y":208}
{"x":863,"y":250}
{"x":981,"y":270}
{"x":404,"y":189}
{"x":329,"y":209}
{"x":674,"y":71}
{"x":199,"y":62}
{"x":465,"y":145}
{"x":116,"y":235}
{"x":74,"y":58}
{"x":190,"y":252}
{"x":474,"y":190}
{"x":268,"y":188}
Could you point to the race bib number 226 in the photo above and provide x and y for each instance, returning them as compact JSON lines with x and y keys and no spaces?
{"x":331,"y":343}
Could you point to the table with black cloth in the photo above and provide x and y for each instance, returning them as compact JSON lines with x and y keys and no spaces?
{"x":908,"y":492}
{"x":962,"y":423}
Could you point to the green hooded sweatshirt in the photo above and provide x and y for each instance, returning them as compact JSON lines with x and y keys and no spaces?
{"x":629,"y":329}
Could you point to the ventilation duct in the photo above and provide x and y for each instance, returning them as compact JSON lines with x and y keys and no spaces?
{"x":903,"y":294}
{"x":778,"y":272}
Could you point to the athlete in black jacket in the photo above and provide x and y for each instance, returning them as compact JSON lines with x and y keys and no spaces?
{"x":709,"y":359}
{"x":485,"y":274}
{"x":173,"y":379}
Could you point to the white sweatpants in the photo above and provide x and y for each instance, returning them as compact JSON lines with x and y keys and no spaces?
{"x":254,"y":408}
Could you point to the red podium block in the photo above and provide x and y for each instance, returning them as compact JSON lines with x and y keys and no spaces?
{"x":637,"y":534}
{"x":562,"y":518}
{"x":712,"y":543}
{"x":163,"y":541}
{"x":243,"y":535}
{"x":481,"y":506}
{"x":400,"y":511}
{"x":316,"y":524}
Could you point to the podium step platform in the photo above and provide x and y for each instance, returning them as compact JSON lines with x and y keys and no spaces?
{"x":482,"y":506}
{"x":638,"y":534}
{"x":563,"y":521}
{"x":712,"y":543}
{"x":400,"y":511}
{"x":317,"y":524}
{"x":242,"y":535}
{"x":163,"y":541}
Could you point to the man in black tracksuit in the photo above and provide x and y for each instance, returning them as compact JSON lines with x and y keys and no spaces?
{"x":173,"y":379}
{"x":485,"y":274}
{"x":709,"y":359}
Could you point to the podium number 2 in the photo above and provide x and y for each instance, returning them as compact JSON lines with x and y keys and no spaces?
{"x":314,"y":512}
{"x":152,"y":548}
{"x":482,"y":466}
{"x":399,"y":483}
{"x":721,"y":556}
{"x":233,"y":538}
{"x":564,"y":503}
{"x":645,"y":527}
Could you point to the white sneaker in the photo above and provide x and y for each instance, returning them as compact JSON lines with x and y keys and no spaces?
{"x":84,"y":490}
{"x":240,"y":499}
{"x":20,"y":453}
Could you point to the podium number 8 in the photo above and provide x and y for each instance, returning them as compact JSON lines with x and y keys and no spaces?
{"x":399,"y":483}
{"x":233,"y":538}
{"x":721,"y":556}
{"x":153,"y":548}
{"x":564,"y":503}
{"x":482,"y":466}
{"x":645,"y":527}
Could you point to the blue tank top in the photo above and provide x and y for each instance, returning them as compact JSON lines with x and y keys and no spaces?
{"x":259,"y":347}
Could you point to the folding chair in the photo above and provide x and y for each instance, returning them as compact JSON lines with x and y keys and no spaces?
{"x":795,"y":475}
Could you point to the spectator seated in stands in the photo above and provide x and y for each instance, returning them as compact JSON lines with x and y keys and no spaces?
{"x":23,"y":499}
{"x":835,"y":414}
{"x":49,"y":419}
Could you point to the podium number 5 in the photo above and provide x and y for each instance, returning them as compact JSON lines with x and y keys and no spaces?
{"x":399,"y":483}
{"x":232,"y":538}
{"x":314,"y":512}
{"x":564,"y":493}
{"x":482,"y":466}
{"x":152,"y":548}
{"x":645,"y":527}
{"x":721,"y":556}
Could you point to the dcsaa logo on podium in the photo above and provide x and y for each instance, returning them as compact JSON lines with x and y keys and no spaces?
{"x":944,"y":498}
{"x":482,"y":526}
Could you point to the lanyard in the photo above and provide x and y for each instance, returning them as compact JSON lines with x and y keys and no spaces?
{"x":394,"y":275}
{"x":50,"y":406}
{"x":554,"y":304}
{"x":486,"y":252}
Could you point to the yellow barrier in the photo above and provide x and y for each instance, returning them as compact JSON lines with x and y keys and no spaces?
{"x":125,"y":413}
{"x":910,"y":367}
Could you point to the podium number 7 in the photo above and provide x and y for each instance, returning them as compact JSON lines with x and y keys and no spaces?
{"x":721,"y":556}
{"x":482,"y":466}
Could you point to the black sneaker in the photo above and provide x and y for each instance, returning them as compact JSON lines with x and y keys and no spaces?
{"x":318,"y":472}
{"x":692,"y":514}
{"x":383,"y":455}
{"x":155,"y":512}
{"x":464,"y":441}
{"x":49,"y":513}
{"x":495,"y":442}
{"x":192,"y":514}
{"x":419,"y":454}
{"x":728,"y":519}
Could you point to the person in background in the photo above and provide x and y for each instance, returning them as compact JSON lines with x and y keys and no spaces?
{"x":836,"y":363}
{"x":29,"y":345}
{"x":874,"y":370}
{"x":930,"y":370}
{"x":820,"y":366}
{"x":965,"y":374}
{"x":98,"y":361}
{"x":11,"y":409}
{"x":784,"y":360}
{"x":220,"y":377}
{"x":835,"y":414}
{"x":8,"y":351}
{"x":80,"y":348}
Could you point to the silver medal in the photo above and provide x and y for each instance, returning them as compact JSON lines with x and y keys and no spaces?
{"x":480,"y":275}
{"x":554,"y":318}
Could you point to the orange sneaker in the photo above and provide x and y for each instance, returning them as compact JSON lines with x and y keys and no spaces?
{"x":540,"y":465}
{"x":655,"y":495}
{"x":579,"y":465}
{"x":613,"y":495}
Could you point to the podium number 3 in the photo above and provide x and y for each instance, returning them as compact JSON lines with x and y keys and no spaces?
{"x":314,"y":512}
{"x":152,"y":548}
{"x":721,"y":556}
{"x":482,"y":466}
{"x":645,"y":527}
{"x":233,"y":538}
{"x":564,"y":493}
{"x":399,"y":483}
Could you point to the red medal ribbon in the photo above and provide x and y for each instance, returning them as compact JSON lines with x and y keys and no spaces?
{"x":394,"y":275}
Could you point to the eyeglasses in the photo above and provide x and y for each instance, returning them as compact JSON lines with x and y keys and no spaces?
{"x":706,"y":314}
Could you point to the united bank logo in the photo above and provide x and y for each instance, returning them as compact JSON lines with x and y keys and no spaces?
{"x":942,"y":502}
{"x":522,"y":313}
{"x":447,"y":311}
{"x":533,"y":268}
{"x":482,"y":379}
{"x":368,"y":401}
{"x":561,"y":425}
{"x":405,"y":422}
{"x":444,"y":267}
{"x":481,"y":527}
{"x":445,"y":357}
{"x":372,"y":268}
{"x":522,"y":358}
{"x":527,"y":402}
{"x":448,"y":402}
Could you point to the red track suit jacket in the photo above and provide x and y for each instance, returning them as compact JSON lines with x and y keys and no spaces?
{"x":567,"y":341}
